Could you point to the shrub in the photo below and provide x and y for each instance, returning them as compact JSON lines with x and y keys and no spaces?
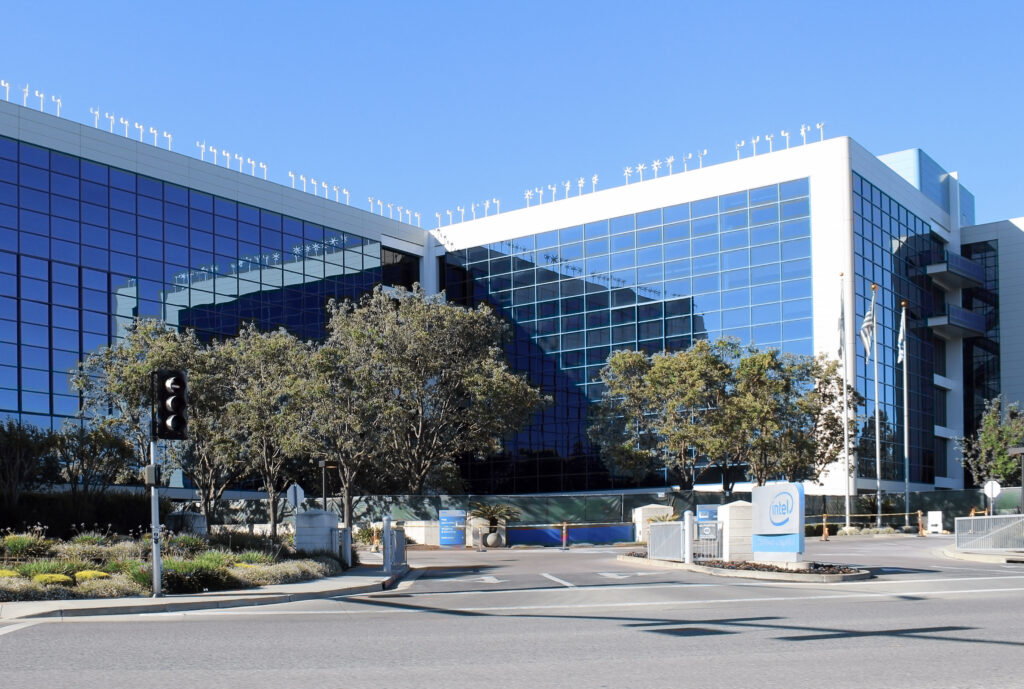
{"x":53,"y":579}
{"x":254,"y":557}
{"x":16,"y":589}
{"x":22,"y":546}
{"x":8,"y":573}
{"x":64,"y":567}
{"x":193,"y":576}
{"x":242,"y":540}
{"x":92,"y":538}
{"x":185,"y":545}
{"x":216,"y":558}
{"x":280,"y":573}
{"x":367,"y":535}
{"x":88,"y":552}
{"x":117,"y":586}
{"x":89,"y":575}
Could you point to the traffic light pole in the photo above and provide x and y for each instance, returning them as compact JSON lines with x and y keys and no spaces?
{"x":154,"y":507}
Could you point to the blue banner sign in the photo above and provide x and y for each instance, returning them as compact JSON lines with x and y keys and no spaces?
{"x":707,"y":513}
{"x":453,"y":527}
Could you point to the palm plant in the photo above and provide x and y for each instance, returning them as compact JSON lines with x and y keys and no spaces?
{"x":494,"y":513}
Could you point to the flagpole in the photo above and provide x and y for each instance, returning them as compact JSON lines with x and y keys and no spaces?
{"x":878,"y":428}
{"x":906,"y":418}
{"x":846,"y":401}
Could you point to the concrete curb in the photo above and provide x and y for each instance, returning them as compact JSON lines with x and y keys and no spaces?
{"x":954,"y":554}
{"x":170,"y":604}
{"x":751,"y":574}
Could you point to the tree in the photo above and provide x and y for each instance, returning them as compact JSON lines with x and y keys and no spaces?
{"x":985,"y":453}
{"x":267,"y":380}
{"x":212,"y":457}
{"x":444,"y":388}
{"x":91,"y":458}
{"x":720,"y":405}
{"x":22,"y":448}
{"x":115,"y":380}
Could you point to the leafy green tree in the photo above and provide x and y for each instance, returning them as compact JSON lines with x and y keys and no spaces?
{"x":268,"y":378}
{"x":90,"y":458}
{"x":440,"y":377}
{"x":22,"y":451}
{"x":985,"y":453}
{"x":115,"y":380}
{"x":719,"y":405}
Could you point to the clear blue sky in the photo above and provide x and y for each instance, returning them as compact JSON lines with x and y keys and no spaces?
{"x":430,"y":105}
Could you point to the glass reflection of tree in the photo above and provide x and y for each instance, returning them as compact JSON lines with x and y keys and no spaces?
{"x":891,"y":468}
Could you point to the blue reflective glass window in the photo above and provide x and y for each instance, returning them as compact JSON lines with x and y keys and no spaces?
{"x":34,"y":222}
{"x":732,"y":279}
{"x":573,"y":341}
{"x":8,"y":262}
{"x":648,"y":330}
{"x":706,"y":283}
{"x":734,"y":220}
{"x":501,"y":265}
{"x":175,"y":213}
{"x":597,"y":355}
{"x":65,"y":294}
{"x":762,"y":195}
{"x":199,"y":220}
{"x":8,"y":216}
{"x":94,"y":193}
{"x":648,"y":218}
{"x":63,"y":273}
{"x":626,"y":315}
{"x":597,"y":246}
{"x":35,"y":200}
{"x":151,"y":208}
{"x":764,"y":214}
{"x":34,"y":245}
{"x":796,"y":228}
{"x":795,"y":330}
{"x":34,"y":178}
{"x":648,"y":237}
{"x":598,"y":265}
{"x":623,"y":297}
{"x":735,"y":318}
{"x":33,"y":155}
{"x":65,"y":208}
{"x":677,"y":326}
{"x":795,"y":209}
{"x":9,"y":193}
{"x":704,"y":207}
{"x":95,"y":215}
{"x":547,"y":239}
{"x":8,"y":148}
{"x":650,"y":254}
{"x":95,"y":258}
{"x":622,"y":241}
{"x":677,"y":250}
{"x":623,"y":333}
{"x":200,"y":201}
{"x":228,"y":209}
{"x":8,"y":308}
{"x":733,"y":201}
{"x":735,"y":298}
{"x":797,"y":308}
{"x":624,"y":278}
{"x":541,"y":292}
{"x":125,"y":243}
{"x":572,"y":305}
{"x":705,"y":245}
{"x":676,"y":231}
{"x":9,"y":171}
{"x":767,"y":253}
{"x":625,"y":259}
{"x":796,"y":289}
{"x":596,"y":229}
{"x":677,"y":269}
{"x":150,"y":187}
{"x":799,"y":187}
{"x":796,"y":269}
{"x":63,"y":228}
{"x":676,"y":213}
{"x":571,"y":252}
{"x":122,"y":180}
{"x":651,"y":273}
{"x":766,"y":334}
{"x":735,"y":259}
{"x":598,"y":319}
{"x":711,"y":321}
{"x":762,"y":274}
{"x":598,"y":337}
{"x":64,"y":251}
{"x":95,"y":236}
{"x":626,"y":223}
{"x":800,"y":248}
{"x":570,"y":234}
{"x":765,"y":313}
{"x":764,"y":234}
{"x":703,"y":226}
{"x":598,"y":300}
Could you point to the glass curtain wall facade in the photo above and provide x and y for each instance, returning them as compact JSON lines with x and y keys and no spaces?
{"x":736,"y":265}
{"x":891,"y":245}
{"x":85,"y":247}
{"x":981,"y":354}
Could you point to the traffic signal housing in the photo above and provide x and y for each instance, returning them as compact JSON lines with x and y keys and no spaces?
{"x":170,"y":397}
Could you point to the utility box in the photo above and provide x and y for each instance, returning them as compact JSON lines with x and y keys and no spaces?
{"x":317,"y":530}
{"x":935,"y":521}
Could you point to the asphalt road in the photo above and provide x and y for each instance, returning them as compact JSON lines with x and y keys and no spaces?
{"x":571,"y":619}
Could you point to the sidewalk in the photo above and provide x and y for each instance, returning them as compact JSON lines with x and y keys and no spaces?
{"x":362,"y":579}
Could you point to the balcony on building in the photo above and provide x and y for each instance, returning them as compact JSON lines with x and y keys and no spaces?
{"x":952,"y":271}
{"x":956,"y":323}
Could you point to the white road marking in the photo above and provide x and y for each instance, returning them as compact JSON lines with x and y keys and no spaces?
{"x":16,"y":627}
{"x":555,"y":579}
{"x":489,"y":579}
{"x":620,"y":575}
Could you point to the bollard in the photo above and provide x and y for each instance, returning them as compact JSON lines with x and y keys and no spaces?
{"x":824,"y":527}
{"x":688,"y":537}
{"x":565,"y":536}
{"x":385,"y":537}
{"x":920,"y":524}
{"x":479,"y":535}
{"x":972,"y":511}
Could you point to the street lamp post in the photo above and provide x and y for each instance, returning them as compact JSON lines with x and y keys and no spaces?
{"x":324,"y":466}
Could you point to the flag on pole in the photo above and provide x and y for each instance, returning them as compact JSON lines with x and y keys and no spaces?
{"x":867,"y":328}
{"x":842,"y":324}
{"x":901,"y":341}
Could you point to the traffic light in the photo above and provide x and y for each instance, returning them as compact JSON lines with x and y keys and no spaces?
{"x":170,"y":397}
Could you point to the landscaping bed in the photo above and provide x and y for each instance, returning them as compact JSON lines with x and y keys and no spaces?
{"x":808,"y":571}
{"x":96,"y":564}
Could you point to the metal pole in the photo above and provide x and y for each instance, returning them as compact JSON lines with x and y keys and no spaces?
{"x":385,"y":537}
{"x":878,"y":428}
{"x":688,"y":537}
{"x":906,"y":421}
{"x":846,"y":404}
{"x":154,"y":508}
{"x":323,"y":480}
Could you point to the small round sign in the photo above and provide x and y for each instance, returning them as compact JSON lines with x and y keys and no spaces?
{"x":992,"y":489}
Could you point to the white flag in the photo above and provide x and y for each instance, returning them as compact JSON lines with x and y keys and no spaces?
{"x":901,"y":341}
{"x":842,"y":325}
{"x":867,"y":328}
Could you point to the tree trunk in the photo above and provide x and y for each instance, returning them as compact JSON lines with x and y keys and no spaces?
{"x":346,"y":507}
{"x":272,"y":511}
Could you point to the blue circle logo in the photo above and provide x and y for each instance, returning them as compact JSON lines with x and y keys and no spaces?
{"x":781,"y":509}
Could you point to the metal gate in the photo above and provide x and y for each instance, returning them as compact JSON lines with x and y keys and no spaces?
{"x":1000,"y":532}
{"x":666,"y":541}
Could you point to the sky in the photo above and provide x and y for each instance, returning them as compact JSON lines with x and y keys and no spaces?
{"x":435,"y":105}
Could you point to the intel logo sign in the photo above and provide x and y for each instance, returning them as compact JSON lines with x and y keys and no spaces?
{"x":781,"y":509}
